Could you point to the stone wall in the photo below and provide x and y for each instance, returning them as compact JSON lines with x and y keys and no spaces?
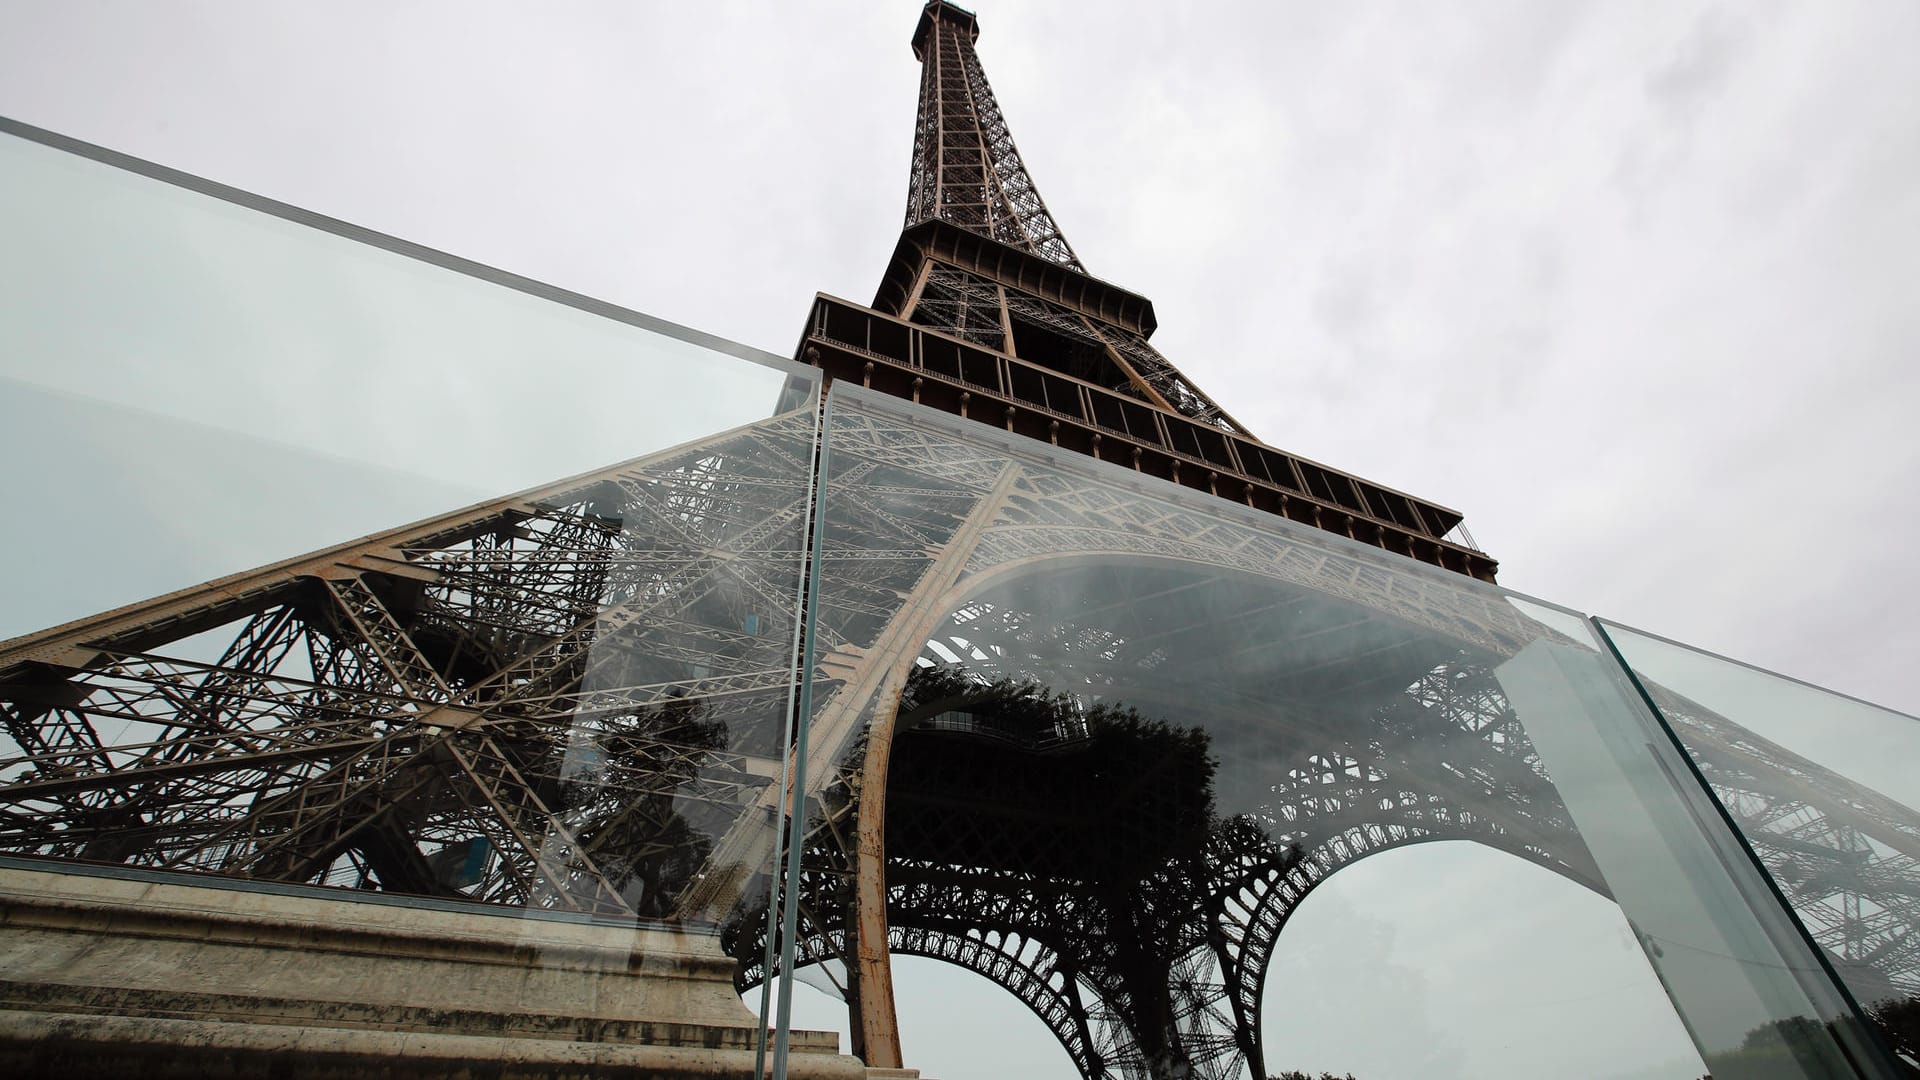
{"x":142,"y":976}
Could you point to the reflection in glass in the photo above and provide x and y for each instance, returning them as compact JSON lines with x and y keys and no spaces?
{"x":1823,"y":789}
{"x":1378,"y":975}
{"x":1091,"y":737}
{"x":1097,"y":740}
{"x":569,"y":699}
{"x":201,"y":387}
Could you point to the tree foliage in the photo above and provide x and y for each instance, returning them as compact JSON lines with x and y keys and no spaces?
{"x":1898,"y":1020}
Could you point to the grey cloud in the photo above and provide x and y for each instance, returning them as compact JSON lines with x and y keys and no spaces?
{"x":1701,"y":63}
{"x":1696,"y":72}
{"x":1345,"y":303}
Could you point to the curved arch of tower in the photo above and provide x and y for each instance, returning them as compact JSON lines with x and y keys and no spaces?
{"x":972,"y":579}
{"x":1318,"y":765}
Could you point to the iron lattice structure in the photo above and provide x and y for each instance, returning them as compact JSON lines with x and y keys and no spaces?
{"x":556,"y":699}
{"x":573,"y":698}
{"x":966,"y":169}
{"x":933,"y":649}
{"x":967,"y":172}
{"x":1846,"y":856}
{"x":987,"y":312}
{"x":1320,"y":771}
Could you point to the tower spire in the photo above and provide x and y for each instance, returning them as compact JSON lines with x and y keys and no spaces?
{"x":966,"y":169}
{"x":985,"y":311}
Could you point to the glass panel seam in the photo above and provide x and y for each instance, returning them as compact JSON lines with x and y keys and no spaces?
{"x":1881,"y":1063}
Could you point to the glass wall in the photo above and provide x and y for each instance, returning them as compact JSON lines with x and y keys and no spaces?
{"x":522,"y":620}
{"x":1208,"y":792}
{"x":1125,"y":732}
{"x":196,"y":385}
{"x":1822,"y":788}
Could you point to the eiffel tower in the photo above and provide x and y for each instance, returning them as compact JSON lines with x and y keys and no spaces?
{"x":1097,"y":687}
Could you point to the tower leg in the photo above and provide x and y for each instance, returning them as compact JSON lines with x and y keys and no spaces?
{"x":875,"y":1021}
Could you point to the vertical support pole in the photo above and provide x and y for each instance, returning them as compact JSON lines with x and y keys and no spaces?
{"x":774,"y":877}
{"x":803,"y":713}
{"x":795,"y":659}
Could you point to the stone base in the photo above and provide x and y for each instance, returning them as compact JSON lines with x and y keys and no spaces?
{"x":122,"y":976}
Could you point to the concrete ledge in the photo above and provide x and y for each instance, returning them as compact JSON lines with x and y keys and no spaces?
{"x":69,"y":999}
{"x":49,"y":1044}
{"x":105,"y":976}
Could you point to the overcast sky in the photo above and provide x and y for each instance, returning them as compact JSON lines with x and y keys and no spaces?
{"x":1630,"y":285}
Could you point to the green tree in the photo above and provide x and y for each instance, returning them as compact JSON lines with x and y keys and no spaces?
{"x":1899,"y":1022}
